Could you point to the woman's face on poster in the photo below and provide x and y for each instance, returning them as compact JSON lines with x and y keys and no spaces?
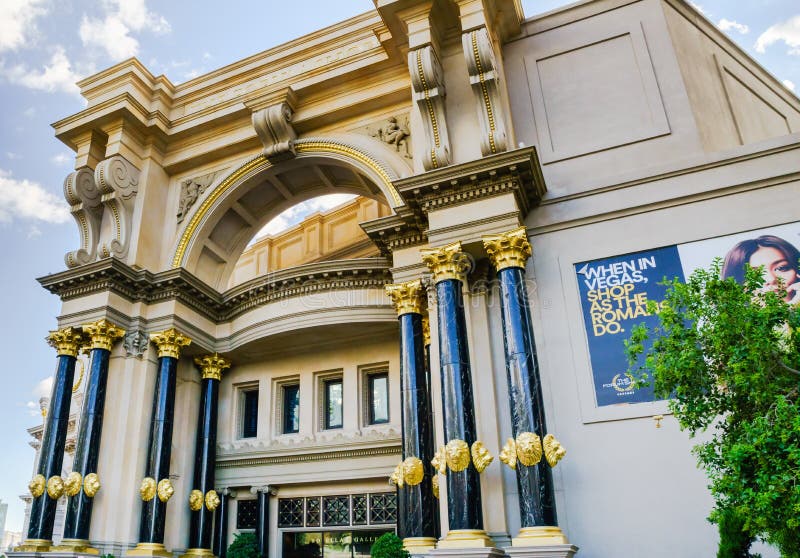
{"x":779,"y":273}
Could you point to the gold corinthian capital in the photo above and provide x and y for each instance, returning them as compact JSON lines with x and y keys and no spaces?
{"x":447,"y":262}
{"x":211,"y":366}
{"x":510,"y":249}
{"x":170,"y":342}
{"x":102,"y":334}
{"x":67,"y":341}
{"x":408,"y":297}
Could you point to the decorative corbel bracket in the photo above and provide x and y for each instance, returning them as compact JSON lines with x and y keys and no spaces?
{"x":427,"y":80}
{"x":83,"y":196}
{"x":272,"y":120}
{"x":484,"y":79}
{"x":118,"y":181}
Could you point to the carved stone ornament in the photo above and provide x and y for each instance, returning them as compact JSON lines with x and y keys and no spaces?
{"x":135,"y":343}
{"x":170,"y":342}
{"x":485,"y":81}
{"x":481,"y":457}
{"x":553,"y":450}
{"x":510,"y":249}
{"x":508,"y":454}
{"x":413,"y":471}
{"x":211,"y":366}
{"x":395,"y":132}
{"x":55,"y":487}
{"x":396,"y":478}
{"x":273,"y":125}
{"x":447,"y":262}
{"x":435,"y":486}
{"x":191,"y":190}
{"x":427,"y":80}
{"x":102,"y":334}
{"x":165,"y":490}
{"x":408,"y":297}
{"x":148,"y":489}
{"x":37,"y":485}
{"x":118,"y":181}
{"x":195,"y":500}
{"x":212,"y":500}
{"x":67,"y":341}
{"x":529,"y":448}
{"x":439,"y":462}
{"x":91,"y":485}
{"x":72,"y":485}
{"x":85,"y":204}
{"x":457,"y":455}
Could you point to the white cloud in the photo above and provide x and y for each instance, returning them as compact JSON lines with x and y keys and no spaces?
{"x":34,"y":232}
{"x":11,"y":155}
{"x":699,"y":8}
{"x":300,"y":211}
{"x":44,"y":388}
{"x":788,"y":84}
{"x":18,"y":22}
{"x":57,"y":75}
{"x":113,"y":32}
{"x":61,"y":159}
{"x":23,"y":199}
{"x":30,"y":112}
{"x":727,"y":24}
{"x":787,"y":31}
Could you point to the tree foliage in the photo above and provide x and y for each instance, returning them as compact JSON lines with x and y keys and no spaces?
{"x":388,"y":545}
{"x":727,"y":355}
{"x":244,"y":545}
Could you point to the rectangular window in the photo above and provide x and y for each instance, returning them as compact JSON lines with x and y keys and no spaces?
{"x":291,"y":409}
{"x":333,"y":403}
{"x":378,"y":394}
{"x":246,"y":514}
{"x":250,"y":414}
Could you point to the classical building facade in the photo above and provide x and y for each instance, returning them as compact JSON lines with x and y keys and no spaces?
{"x":524,"y":185}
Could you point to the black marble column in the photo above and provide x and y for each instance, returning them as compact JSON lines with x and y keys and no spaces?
{"x":464,"y":504}
{"x":156,"y":488}
{"x":415,"y":499}
{"x":204,"y":499}
{"x":262,"y":526}
{"x":83,"y":482}
{"x":220,"y":536}
{"x":47,"y":486}
{"x":508,"y":253}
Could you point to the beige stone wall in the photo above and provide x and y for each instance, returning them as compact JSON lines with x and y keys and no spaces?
{"x":330,"y":235}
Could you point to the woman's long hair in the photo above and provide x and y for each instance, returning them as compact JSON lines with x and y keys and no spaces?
{"x":739,"y":256}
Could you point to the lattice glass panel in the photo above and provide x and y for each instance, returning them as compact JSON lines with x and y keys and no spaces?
{"x":335,"y":510}
{"x":290,"y":512}
{"x":383,"y":507}
{"x":313,"y":514}
{"x":359,"y":509}
{"x":246,"y":514}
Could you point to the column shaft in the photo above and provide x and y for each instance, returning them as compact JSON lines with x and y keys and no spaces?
{"x":535,"y":483}
{"x":220,"y":547}
{"x":79,"y":510}
{"x":204,"y":464}
{"x":159,"y":450}
{"x":416,"y":503}
{"x":463,"y":487}
{"x":262,"y":527}
{"x":43,"y":509}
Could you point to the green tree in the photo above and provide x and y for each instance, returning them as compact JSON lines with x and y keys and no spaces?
{"x":727,"y":355}
{"x":244,"y":545}
{"x":388,"y":545}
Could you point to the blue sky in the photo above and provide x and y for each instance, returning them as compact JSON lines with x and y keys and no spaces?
{"x":46,"y":45}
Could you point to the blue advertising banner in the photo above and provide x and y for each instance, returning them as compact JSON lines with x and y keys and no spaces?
{"x":614,"y":293}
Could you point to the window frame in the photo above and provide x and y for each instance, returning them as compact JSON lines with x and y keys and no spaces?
{"x":285,"y":407}
{"x":370,"y":414}
{"x":244,"y":392}
{"x":326,"y":415}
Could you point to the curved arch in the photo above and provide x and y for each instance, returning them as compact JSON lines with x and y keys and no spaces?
{"x":222,"y":224}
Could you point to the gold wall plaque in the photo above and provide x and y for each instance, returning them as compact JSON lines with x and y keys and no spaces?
{"x":508,"y":454}
{"x":72,"y":485}
{"x":553,"y":450}
{"x":413,"y":471}
{"x":165,"y":490}
{"x":439,"y":461}
{"x":212,"y":500}
{"x":147,"y":490}
{"x":37,"y":485}
{"x":481,"y":457}
{"x":529,"y":448}
{"x":195,"y":500}
{"x":457,"y":455}
{"x":55,"y":487}
{"x":91,"y":484}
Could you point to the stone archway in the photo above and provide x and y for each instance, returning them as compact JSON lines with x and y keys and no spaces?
{"x":240,"y":204}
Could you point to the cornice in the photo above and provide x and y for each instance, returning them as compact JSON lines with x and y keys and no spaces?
{"x":395,"y":232}
{"x":516,"y":172}
{"x":231,"y":462}
{"x":112,"y":275}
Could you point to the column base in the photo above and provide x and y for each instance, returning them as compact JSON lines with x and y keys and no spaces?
{"x":150,"y":549}
{"x":466,"y":538}
{"x":419,"y":545}
{"x":34,"y":545}
{"x":197,"y":553}
{"x":75,"y":546}
{"x":543,"y":551}
{"x":486,"y":552}
{"x":539,"y":536}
